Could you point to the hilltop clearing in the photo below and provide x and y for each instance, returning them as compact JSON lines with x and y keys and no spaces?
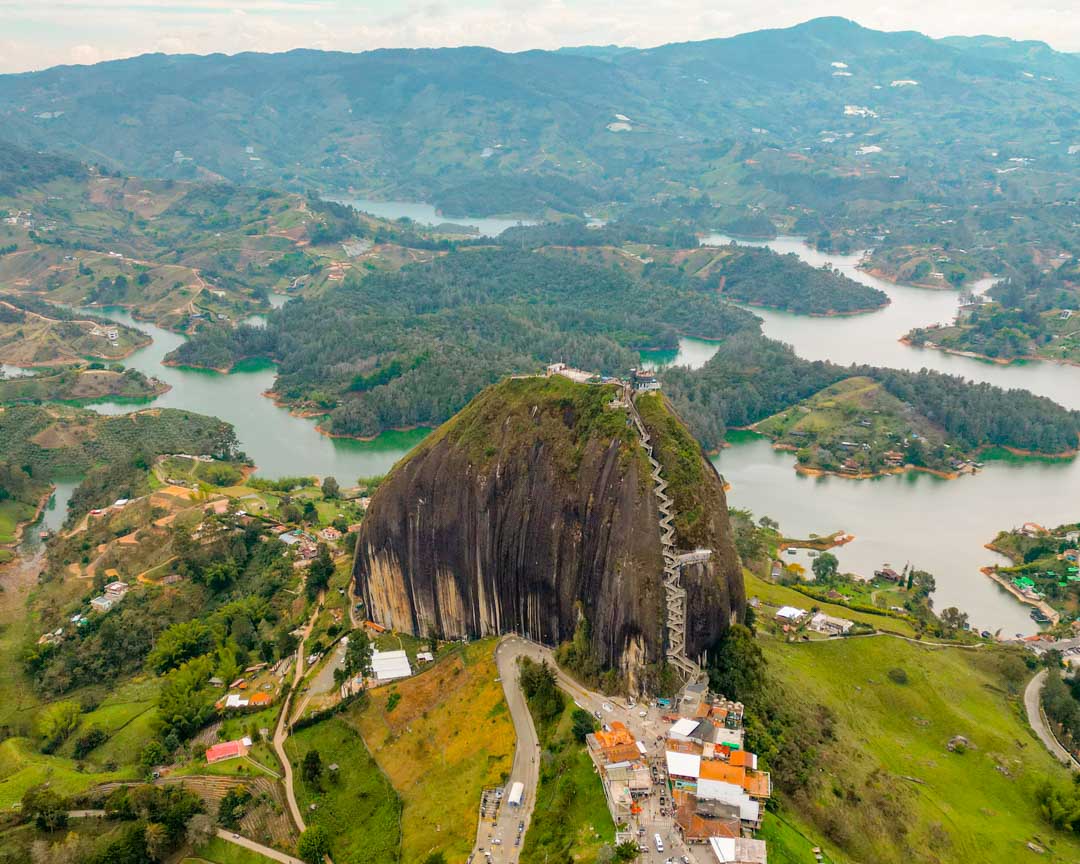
{"x":33,"y":333}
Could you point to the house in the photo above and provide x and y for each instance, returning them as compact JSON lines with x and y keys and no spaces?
{"x":389,"y":665}
{"x":235,"y":700}
{"x":738,"y":850}
{"x":888,"y":574}
{"x":228,"y":750}
{"x":700,"y":819}
{"x":424,"y":657}
{"x":260,"y":700}
{"x":829,"y":625}
{"x":643,"y":380}
{"x":290,"y":539}
{"x":790,"y":614}
{"x":330,"y":534}
{"x":102,"y":603}
{"x":116,"y":590}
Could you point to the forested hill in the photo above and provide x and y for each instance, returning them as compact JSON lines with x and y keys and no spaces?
{"x":752,"y":377}
{"x":822,"y":114}
{"x":412,"y":347}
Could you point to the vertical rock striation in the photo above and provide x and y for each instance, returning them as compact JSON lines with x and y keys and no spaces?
{"x":533,"y":506}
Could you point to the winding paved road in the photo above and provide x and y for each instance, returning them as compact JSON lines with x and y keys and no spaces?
{"x":1033,"y":706}
{"x":281,"y":732}
{"x":526,"y":767}
{"x":265,"y":851}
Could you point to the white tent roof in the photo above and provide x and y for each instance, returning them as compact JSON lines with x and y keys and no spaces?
{"x":683,"y":764}
{"x":683,"y":727}
{"x":388,"y":665}
{"x":790,"y":612}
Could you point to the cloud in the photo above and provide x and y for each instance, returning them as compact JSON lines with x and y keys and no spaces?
{"x":64,"y":31}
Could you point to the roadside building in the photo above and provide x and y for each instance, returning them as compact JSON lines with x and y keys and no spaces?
{"x":102,"y":603}
{"x":389,"y":666}
{"x":790,"y":614}
{"x":699,"y":819}
{"x":830,"y":626}
{"x":228,"y":750}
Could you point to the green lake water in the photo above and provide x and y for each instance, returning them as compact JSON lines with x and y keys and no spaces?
{"x":937,"y":525}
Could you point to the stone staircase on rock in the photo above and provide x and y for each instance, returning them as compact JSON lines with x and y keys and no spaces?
{"x":674,"y":593}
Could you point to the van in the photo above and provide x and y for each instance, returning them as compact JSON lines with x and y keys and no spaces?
{"x":659,"y":843}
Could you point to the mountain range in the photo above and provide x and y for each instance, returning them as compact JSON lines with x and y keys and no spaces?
{"x":823,"y":112}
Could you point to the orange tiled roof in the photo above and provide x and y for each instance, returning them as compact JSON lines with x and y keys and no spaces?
{"x":725,"y":772}
{"x":757,"y":783}
{"x":676,"y":746}
{"x":618,"y":735}
{"x":621,"y":753}
{"x":742,"y":758}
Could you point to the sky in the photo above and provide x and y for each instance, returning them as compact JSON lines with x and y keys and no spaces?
{"x":35,"y":34}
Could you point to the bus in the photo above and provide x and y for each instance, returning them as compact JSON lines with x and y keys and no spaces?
{"x":659,"y":843}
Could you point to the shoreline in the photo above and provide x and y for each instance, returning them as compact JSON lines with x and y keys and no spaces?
{"x":830,"y":314}
{"x":997,"y":361}
{"x":811,"y":471}
{"x":885,"y":276}
{"x":20,"y":527}
{"x":1044,"y":607}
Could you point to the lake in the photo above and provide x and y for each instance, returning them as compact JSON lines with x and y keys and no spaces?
{"x":279,"y":443}
{"x":937,"y":525}
{"x":426,"y":214}
{"x":874,"y":337}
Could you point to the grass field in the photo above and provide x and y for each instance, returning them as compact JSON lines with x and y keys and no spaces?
{"x":774,"y":596}
{"x":360,"y":810}
{"x":219,"y":851}
{"x":22,"y":767}
{"x":11,"y":514}
{"x":571,"y":817}
{"x":889,"y":790}
{"x":448,"y":735}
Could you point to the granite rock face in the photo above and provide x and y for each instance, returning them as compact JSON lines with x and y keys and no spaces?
{"x":529,"y":509}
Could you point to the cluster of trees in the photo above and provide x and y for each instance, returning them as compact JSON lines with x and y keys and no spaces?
{"x":20,"y":168}
{"x":455,"y":325}
{"x":752,"y":377}
{"x":763,"y":277}
{"x":113,"y":454}
{"x":158,"y":820}
{"x":490,"y":194}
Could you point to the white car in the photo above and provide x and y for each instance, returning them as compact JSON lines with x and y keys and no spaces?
{"x":642,"y":713}
{"x":607,"y":707}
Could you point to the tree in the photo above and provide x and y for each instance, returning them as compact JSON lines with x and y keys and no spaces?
{"x":330,"y":488}
{"x":435,"y":858}
{"x":583,"y":724}
{"x":358,"y":655}
{"x":157,"y":841}
{"x":737,"y":668}
{"x":55,"y":723}
{"x":320,"y":571}
{"x":45,"y":807}
{"x":311,"y":767}
{"x":186,"y":700}
{"x":199,"y":830}
{"x":314,"y":844}
{"x":825,"y":567}
{"x":953,"y":620}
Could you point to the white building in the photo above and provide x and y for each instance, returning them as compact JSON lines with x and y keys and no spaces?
{"x":389,"y":665}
